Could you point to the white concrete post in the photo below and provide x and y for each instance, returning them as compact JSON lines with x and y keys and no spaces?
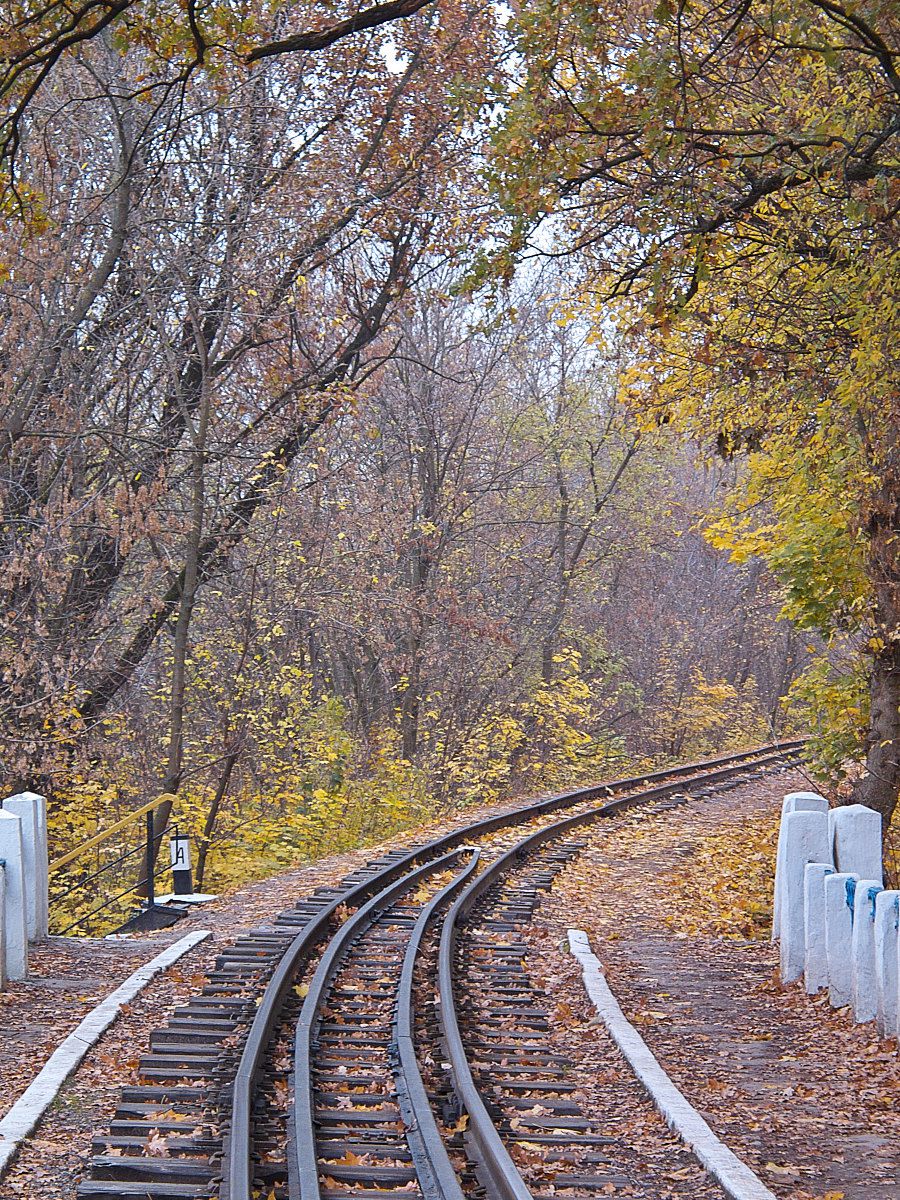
{"x":805,"y":841}
{"x":887,"y":918}
{"x":855,"y":837}
{"x":44,"y":911}
{"x":14,"y":922}
{"x":865,"y":1002}
{"x":815,"y":963}
{"x":793,"y":802}
{"x":839,"y":889}
{"x":2,"y":926}
{"x":43,"y":863}
{"x":31,"y":809}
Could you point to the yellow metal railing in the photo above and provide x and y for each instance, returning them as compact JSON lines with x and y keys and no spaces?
{"x":99,"y":838}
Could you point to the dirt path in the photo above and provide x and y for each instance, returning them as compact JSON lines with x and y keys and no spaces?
{"x":810,"y":1101}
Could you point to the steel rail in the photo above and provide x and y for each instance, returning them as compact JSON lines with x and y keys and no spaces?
{"x":498,"y":1172}
{"x":238,"y":1158}
{"x":436,"y":1175}
{"x":305,"y":1185}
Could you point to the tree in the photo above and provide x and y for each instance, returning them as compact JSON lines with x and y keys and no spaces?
{"x":38,"y":43}
{"x":482,"y":519}
{"x":727,"y":176}
{"x":174,"y":336}
{"x":580,"y":447}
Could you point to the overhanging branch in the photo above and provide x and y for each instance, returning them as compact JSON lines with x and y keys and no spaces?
{"x":321,"y":39}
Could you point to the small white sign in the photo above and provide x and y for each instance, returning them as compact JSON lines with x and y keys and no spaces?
{"x":180,"y":853}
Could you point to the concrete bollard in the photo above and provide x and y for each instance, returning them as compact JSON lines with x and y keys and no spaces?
{"x":2,"y":924}
{"x":14,"y":921}
{"x":887,"y":919}
{"x":865,"y":1001}
{"x":805,"y":841}
{"x":854,"y":834}
{"x":793,"y":802}
{"x":40,"y":803}
{"x":815,"y":963}
{"x":839,"y":889}
{"x":31,"y":809}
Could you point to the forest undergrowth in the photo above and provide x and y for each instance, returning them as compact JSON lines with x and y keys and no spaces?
{"x":319,"y":790}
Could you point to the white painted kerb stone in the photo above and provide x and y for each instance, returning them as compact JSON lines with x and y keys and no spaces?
{"x":793,"y":802}
{"x":26,"y":806}
{"x":865,"y":1003}
{"x":887,"y":914}
{"x":855,"y":839}
{"x":14,"y":912}
{"x":2,"y":927}
{"x":31,"y":1105}
{"x":805,"y":841}
{"x":815,"y":964}
{"x":839,"y":889}
{"x":32,"y":808}
{"x":735,"y":1177}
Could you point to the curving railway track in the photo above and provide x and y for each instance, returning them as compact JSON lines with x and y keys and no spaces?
{"x":383,"y":1037}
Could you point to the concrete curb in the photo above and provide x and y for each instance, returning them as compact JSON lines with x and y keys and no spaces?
{"x":735,"y":1177}
{"x":44,"y":1088}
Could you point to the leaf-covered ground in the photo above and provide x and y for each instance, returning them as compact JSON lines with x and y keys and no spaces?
{"x":67,"y":978}
{"x":677,"y":909}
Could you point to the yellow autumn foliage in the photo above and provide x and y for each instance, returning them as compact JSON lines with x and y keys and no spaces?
{"x":317,"y":788}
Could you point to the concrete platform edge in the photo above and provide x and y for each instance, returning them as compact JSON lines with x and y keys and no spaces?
{"x":733,"y":1175}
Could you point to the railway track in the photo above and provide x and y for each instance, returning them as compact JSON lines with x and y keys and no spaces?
{"x":383,"y":1037}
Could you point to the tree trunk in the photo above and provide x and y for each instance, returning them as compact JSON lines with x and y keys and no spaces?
{"x":178,"y":693}
{"x":212,"y":815}
{"x":562,"y":574}
{"x":411,"y":701}
{"x":880,"y":786}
